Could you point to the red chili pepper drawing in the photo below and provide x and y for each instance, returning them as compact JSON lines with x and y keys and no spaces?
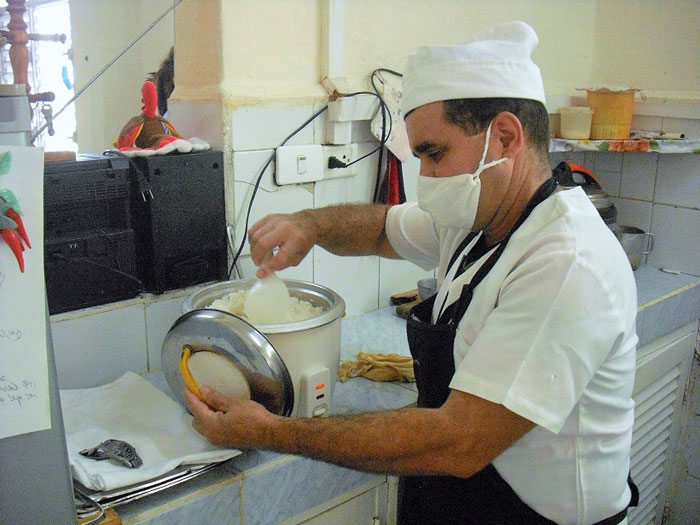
{"x":12,"y":214}
{"x":15,"y":244}
{"x":11,"y":226}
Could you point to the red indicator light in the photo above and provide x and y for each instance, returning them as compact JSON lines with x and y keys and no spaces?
{"x":321,"y":386}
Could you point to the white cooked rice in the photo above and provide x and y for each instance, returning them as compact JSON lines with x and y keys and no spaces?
{"x":298,"y":309}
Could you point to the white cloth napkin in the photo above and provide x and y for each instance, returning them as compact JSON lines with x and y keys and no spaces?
{"x":131,"y":409}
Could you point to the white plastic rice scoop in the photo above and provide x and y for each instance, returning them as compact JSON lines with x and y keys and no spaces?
{"x":267,"y":301}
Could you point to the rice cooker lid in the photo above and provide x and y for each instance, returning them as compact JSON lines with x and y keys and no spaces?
{"x":248,"y":350}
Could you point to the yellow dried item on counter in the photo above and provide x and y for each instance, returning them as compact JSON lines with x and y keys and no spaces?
{"x":378,"y":367}
{"x":186,"y":374}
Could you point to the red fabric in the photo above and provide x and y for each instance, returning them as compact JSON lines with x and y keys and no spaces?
{"x":392,"y":192}
{"x":129,"y":139}
{"x":390,"y":189}
{"x":149,"y":98}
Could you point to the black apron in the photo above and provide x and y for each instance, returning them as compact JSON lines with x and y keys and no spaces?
{"x":484,"y":498}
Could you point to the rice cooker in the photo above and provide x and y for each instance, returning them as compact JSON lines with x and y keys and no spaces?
{"x":570,"y":175}
{"x":290,"y":368}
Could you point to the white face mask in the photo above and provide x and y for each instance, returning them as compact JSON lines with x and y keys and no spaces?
{"x":452,"y":201}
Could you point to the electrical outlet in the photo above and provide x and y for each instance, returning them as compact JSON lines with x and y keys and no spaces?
{"x":344,"y":154}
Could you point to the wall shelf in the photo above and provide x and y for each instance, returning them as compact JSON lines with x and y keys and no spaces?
{"x":625,"y":146}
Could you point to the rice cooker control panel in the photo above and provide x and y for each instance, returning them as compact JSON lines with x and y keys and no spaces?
{"x":314,"y":395}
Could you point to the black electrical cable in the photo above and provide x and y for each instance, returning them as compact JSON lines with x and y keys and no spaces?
{"x":385,"y":70}
{"x":385,"y":134}
{"x":91,"y":262}
{"x":384,"y":137}
{"x":143,"y":186}
{"x":257,"y":185}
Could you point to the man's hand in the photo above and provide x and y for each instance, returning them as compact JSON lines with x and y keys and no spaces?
{"x":294,"y":235}
{"x":347,"y":229}
{"x":228,"y":422}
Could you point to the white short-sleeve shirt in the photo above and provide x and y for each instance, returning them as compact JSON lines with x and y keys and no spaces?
{"x":550,"y":334}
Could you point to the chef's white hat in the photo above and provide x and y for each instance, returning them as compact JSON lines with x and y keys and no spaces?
{"x":492,"y":63}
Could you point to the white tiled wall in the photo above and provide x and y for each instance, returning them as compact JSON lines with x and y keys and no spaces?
{"x":160,"y":316}
{"x":97,"y":349}
{"x":365,"y":283}
{"x":98,"y":345}
{"x":659,"y":193}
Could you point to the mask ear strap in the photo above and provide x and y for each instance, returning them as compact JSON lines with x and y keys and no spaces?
{"x":486,"y":144}
{"x":494,"y":163}
{"x":483,"y":166}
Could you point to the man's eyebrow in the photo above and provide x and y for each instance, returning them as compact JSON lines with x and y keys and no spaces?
{"x":423,"y":147}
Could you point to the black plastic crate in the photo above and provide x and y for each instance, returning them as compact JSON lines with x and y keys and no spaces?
{"x":89,"y":246}
{"x":89,"y":178}
{"x":88,"y":194}
{"x":180,"y":231}
{"x":90,"y":270}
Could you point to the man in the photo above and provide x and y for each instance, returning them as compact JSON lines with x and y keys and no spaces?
{"x":525,"y":357}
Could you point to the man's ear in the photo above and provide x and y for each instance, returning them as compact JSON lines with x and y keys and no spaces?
{"x":509,"y":134}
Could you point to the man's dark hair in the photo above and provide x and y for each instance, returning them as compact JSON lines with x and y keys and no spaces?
{"x":474,"y":114}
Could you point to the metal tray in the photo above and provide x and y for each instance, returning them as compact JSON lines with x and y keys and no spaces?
{"x":88,"y":501}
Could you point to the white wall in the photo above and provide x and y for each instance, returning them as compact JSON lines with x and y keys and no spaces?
{"x":248,"y":51}
{"x":274,"y":48}
{"x":101,"y":29}
{"x":657,"y":193}
{"x":651,"y":45}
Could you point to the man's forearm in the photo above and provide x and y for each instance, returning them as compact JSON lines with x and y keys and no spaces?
{"x":402,"y":442}
{"x":351,"y":229}
{"x":459,"y":438}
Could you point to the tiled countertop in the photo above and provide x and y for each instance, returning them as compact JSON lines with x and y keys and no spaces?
{"x":666,"y":301}
{"x":275,"y":486}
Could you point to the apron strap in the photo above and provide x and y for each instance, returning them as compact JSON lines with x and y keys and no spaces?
{"x":634,"y":500}
{"x":454,"y":313}
{"x":460,"y":249}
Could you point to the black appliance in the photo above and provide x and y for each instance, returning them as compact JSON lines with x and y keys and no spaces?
{"x":89,"y":246}
{"x":179,"y":219}
{"x":570,"y":175}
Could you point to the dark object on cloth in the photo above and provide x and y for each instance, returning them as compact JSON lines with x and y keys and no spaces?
{"x":164,"y":79}
{"x":116,"y":450}
{"x":390,"y":189}
{"x":404,"y":297}
{"x":403,"y":310}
